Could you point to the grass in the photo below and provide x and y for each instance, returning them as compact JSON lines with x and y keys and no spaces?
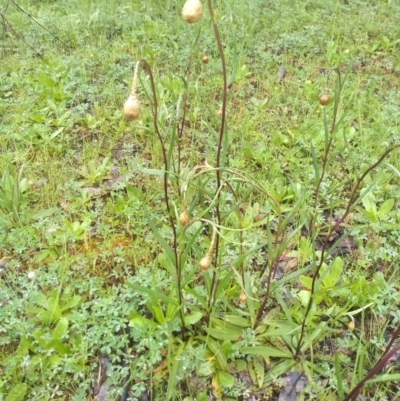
{"x":100,"y":286}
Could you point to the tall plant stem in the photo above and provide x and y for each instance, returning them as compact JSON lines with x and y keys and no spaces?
{"x":166,"y":176}
{"x":330,"y":141}
{"x":333,"y":228}
{"x":220,"y":139}
{"x":181,"y":125}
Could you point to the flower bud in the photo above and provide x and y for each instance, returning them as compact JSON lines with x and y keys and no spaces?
{"x":205,"y":263}
{"x":242,"y":298}
{"x":324,"y":99}
{"x":192,"y":11}
{"x":184,"y":217}
{"x":132,"y":107}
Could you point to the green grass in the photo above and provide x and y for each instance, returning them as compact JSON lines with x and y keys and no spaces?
{"x":82,"y":202}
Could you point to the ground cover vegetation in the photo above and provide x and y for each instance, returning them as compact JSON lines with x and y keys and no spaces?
{"x":236,"y":239}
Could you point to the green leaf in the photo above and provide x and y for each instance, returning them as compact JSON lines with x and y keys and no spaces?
{"x":240,"y":365}
{"x":54,"y":360}
{"x":153,"y":293}
{"x":304,"y":296}
{"x":386,"y":207}
{"x":74,"y":301}
{"x":192,"y":318}
{"x":43,"y":213}
{"x":266,"y":352}
{"x":359,"y":287}
{"x":339,"y":378}
{"x":41,"y":300}
{"x":206,"y":369}
{"x":306,"y":281}
{"x":202,"y":396}
{"x":25,"y":345}
{"x":216,"y":387}
{"x":136,"y":320}
{"x":170,"y":313}
{"x":18,"y":392}
{"x":62,"y":349}
{"x":252,"y":373}
{"x":237,"y":320}
{"x":156,"y":311}
{"x":334,"y":273}
{"x":280,"y":329}
{"x":223,"y":324}
{"x":227,"y":348}
{"x":151,"y":171}
{"x":279,"y":369}
{"x":53,"y":307}
{"x":389,"y":377}
{"x":278,"y":284}
{"x":226,"y":379}
{"x":37,"y":360}
{"x":61,"y":329}
{"x":224,"y":284}
{"x":133,"y":192}
{"x":40,"y":337}
{"x":224,"y":334}
{"x":369,"y":203}
{"x":215,"y":348}
{"x":174,"y":366}
{"x":259,"y":370}
{"x":49,"y":317}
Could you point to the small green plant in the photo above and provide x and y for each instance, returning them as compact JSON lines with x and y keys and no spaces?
{"x":11,"y":189}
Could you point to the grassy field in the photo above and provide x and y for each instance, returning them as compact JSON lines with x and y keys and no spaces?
{"x":245,"y":249}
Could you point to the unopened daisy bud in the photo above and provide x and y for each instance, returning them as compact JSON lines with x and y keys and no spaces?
{"x":324,"y":99}
{"x":205,"y":263}
{"x":31,"y":275}
{"x":242,"y":298}
{"x":192,"y":11}
{"x":132,"y":107}
{"x":184,"y":217}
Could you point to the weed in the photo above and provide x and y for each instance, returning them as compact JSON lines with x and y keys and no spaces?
{"x":239,"y":235}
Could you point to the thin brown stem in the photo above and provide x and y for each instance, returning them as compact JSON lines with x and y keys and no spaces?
{"x":378,"y":366}
{"x":166,"y":178}
{"x":181,"y":124}
{"x":220,"y":142}
{"x":329,"y":144}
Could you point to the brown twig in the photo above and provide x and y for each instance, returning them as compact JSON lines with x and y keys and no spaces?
{"x":220,"y":140}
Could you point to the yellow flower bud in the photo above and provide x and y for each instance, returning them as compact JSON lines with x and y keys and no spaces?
{"x":184,"y":217}
{"x":242,"y":298}
{"x":205,"y":263}
{"x":192,"y":11}
{"x":132,"y":107}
